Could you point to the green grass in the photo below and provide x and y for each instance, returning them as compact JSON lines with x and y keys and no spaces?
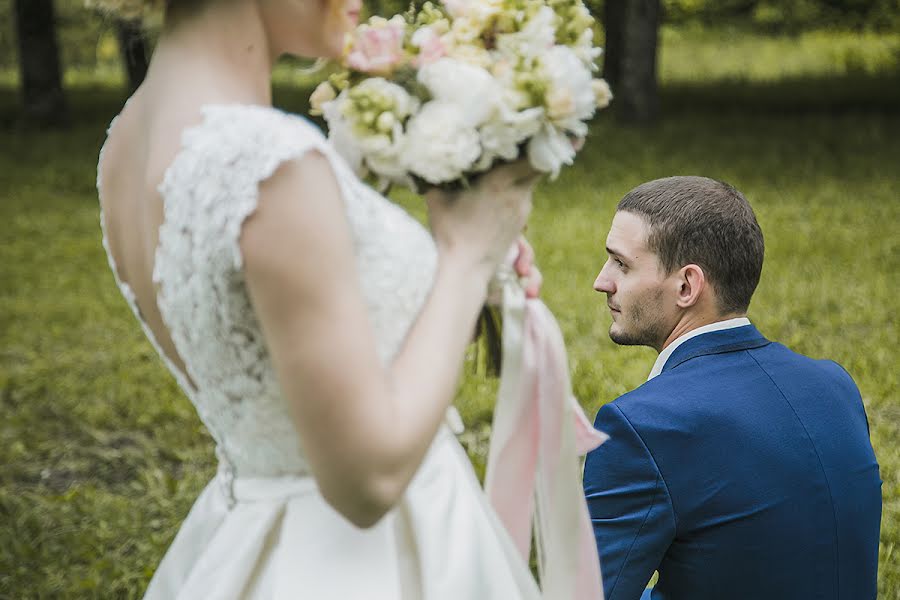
{"x":102,"y":456}
{"x":694,"y":54}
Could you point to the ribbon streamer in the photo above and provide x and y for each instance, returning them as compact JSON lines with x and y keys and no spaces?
{"x":539,"y":430}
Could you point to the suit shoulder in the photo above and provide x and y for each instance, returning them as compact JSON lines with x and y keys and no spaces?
{"x":643,"y":406}
{"x":662,"y":389}
{"x":777,"y":358}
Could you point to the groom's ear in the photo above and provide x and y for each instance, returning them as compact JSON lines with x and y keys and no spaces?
{"x":691,"y":285}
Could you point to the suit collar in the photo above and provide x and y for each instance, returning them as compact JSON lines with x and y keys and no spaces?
{"x":716,"y":342}
{"x":684,"y":337}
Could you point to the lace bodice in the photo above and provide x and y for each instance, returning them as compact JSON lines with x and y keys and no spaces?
{"x":208,"y":191}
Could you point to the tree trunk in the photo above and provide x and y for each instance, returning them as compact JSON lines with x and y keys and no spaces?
{"x":632,"y":29}
{"x":134,"y":51}
{"x":42,"y":91}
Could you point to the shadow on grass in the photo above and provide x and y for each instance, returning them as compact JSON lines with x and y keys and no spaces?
{"x":853,"y":92}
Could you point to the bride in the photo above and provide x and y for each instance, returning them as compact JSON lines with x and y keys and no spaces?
{"x":317,"y":328}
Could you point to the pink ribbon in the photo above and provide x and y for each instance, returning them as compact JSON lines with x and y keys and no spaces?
{"x":539,"y":430}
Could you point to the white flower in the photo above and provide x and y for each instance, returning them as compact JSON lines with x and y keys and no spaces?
{"x":465,"y":31}
{"x":456,"y":8}
{"x":322,"y":94}
{"x":468,"y":53}
{"x":602,"y":94}
{"x":385,"y":122}
{"x":365,"y":126}
{"x":390,"y":96}
{"x":549,"y":150}
{"x":560,"y":103}
{"x":387,"y":161}
{"x":586,"y":51}
{"x":483,"y":12}
{"x":532,"y":40}
{"x":501,"y":137}
{"x":570,"y":95}
{"x":441,"y":144}
{"x":340,"y":134}
{"x":472,"y":89}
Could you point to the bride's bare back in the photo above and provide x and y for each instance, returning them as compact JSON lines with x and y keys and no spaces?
{"x":143,"y":141}
{"x":134,"y":160}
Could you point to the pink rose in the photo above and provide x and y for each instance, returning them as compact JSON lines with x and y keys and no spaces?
{"x":377,"y":49}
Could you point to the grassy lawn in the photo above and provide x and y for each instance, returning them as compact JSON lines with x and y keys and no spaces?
{"x":102,"y":456}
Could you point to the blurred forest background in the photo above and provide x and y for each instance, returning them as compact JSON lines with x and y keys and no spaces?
{"x":796,"y":103}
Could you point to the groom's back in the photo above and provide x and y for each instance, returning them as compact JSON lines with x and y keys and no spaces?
{"x":773,"y":482}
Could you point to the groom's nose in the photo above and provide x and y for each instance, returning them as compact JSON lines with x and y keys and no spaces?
{"x":603,"y":283}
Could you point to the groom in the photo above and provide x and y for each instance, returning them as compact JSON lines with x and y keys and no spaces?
{"x":740,"y":470}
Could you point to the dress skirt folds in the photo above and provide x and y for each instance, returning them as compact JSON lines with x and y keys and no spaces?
{"x":277,"y":538}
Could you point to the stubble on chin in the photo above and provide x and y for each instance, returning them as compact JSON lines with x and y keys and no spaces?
{"x":643,"y":326}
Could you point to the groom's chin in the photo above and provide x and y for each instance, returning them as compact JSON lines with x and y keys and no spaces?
{"x":619,"y":337}
{"x":623,"y":338}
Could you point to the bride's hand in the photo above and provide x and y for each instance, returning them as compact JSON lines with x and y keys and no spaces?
{"x":478,"y":225}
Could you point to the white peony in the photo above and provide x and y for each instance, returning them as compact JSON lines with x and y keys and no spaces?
{"x":570,"y":98}
{"x":501,"y":136}
{"x":471,"y":89}
{"x":441,"y":143}
{"x":384,"y":156}
{"x":550,"y":149}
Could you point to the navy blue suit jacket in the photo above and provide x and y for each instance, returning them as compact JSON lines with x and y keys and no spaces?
{"x":743,"y":471}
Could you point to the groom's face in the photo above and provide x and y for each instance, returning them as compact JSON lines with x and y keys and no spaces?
{"x":635,"y":285}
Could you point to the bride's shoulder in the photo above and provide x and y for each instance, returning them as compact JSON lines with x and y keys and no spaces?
{"x":213,"y":183}
{"x":240,"y":142}
{"x":260,"y":128}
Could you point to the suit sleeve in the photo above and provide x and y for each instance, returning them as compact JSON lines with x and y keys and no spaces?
{"x":630,"y":508}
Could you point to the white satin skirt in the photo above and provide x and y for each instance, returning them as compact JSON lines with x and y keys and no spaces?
{"x":277,"y":538}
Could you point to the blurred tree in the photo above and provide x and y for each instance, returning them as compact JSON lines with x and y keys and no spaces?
{"x":133,"y":47}
{"x":629,"y":64}
{"x":42,"y":91}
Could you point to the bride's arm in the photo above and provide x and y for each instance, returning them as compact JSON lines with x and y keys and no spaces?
{"x":366,"y":428}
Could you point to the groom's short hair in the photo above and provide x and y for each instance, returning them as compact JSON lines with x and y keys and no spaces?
{"x":697,"y":220}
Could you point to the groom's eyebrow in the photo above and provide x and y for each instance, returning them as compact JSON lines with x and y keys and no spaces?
{"x":615,"y":253}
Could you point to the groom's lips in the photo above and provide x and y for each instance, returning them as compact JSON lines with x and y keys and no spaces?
{"x":612,"y":308}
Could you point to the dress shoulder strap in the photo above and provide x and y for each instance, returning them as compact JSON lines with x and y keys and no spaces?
{"x":212,"y":186}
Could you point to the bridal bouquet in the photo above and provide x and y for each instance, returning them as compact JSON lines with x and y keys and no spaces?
{"x":441,"y":93}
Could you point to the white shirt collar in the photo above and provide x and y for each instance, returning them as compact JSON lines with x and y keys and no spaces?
{"x":668,"y":350}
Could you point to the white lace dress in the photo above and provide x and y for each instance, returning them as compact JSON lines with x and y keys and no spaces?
{"x":261,"y":529}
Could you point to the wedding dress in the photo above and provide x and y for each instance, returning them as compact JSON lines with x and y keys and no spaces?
{"x":261,"y":528}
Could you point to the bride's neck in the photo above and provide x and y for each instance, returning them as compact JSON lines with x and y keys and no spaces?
{"x":223,"y":51}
